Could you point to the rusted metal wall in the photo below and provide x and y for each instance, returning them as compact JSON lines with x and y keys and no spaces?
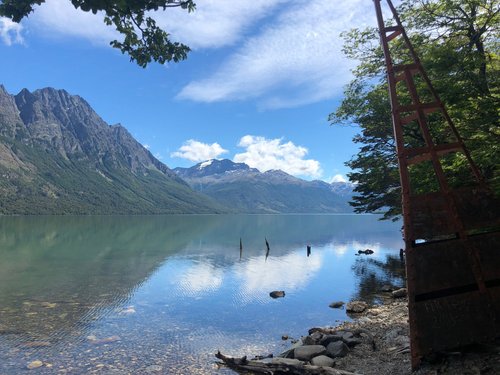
{"x":452,"y":236}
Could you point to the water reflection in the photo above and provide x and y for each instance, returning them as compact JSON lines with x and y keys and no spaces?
{"x":57,"y":274}
{"x":375,"y":274}
{"x":173,"y":287}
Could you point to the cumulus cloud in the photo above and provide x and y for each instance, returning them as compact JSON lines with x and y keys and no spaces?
{"x":295,"y":60}
{"x":266,"y":154}
{"x":197,"y":151}
{"x":10,"y":32}
{"x":338,"y":178}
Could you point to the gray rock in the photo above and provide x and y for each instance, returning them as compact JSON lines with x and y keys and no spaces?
{"x":316,"y":336}
{"x":387,"y":288}
{"x":349,"y":339}
{"x":306,"y":352}
{"x":286,"y":354}
{"x":308,"y":340}
{"x":277,"y":294}
{"x":336,"y":305}
{"x":347,"y":335}
{"x":356,"y":306}
{"x":322,"y":360}
{"x":330,"y":338}
{"x":352,"y":342}
{"x":400,"y":293}
{"x":337,"y":349}
{"x":289,"y":353}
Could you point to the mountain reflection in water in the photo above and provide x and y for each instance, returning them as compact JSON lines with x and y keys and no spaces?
{"x":174,"y":287}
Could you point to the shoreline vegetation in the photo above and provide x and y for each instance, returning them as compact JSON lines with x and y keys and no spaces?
{"x":376,"y":342}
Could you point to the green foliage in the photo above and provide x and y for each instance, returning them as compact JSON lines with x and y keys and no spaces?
{"x":457,"y":42}
{"x":142,"y":40}
{"x":69,"y":186}
{"x":260,"y":196}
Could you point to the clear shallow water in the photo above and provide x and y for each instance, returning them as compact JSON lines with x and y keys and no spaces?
{"x":161,"y":294}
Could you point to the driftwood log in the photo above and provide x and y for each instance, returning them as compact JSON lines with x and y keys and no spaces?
{"x":271,"y":367}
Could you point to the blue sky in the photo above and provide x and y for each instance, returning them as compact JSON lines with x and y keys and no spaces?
{"x":258,"y":86}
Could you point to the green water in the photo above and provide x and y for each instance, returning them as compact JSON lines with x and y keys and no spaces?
{"x":161,"y":294}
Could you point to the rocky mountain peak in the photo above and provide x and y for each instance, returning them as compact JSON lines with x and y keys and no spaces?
{"x":274,"y":191}
{"x":66,"y":159}
{"x":212,"y":167}
{"x":9,"y":114}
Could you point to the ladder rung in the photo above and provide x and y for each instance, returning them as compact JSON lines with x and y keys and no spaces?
{"x":413,"y":68}
{"x":393,"y":35}
{"x":400,"y":77}
{"x":419,"y":154}
{"x":390,"y":29}
{"x":407,"y":119}
{"x":394,"y":30}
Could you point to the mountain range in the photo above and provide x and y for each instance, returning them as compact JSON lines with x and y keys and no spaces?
{"x":57,"y":156}
{"x":248,"y":190}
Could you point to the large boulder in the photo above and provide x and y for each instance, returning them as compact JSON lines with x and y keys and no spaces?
{"x":337,"y":349}
{"x":356,"y":306}
{"x":400,"y":293}
{"x":330,"y":338}
{"x":307,"y":352}
{"x":322,"y":360}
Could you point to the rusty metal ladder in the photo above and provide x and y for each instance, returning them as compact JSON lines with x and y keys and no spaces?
{"x":451,"y":235}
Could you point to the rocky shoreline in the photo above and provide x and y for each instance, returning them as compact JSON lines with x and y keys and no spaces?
{"x":375,"y":342}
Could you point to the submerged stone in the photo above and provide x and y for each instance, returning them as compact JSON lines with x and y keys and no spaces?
{"x":336,"y":304}
{"x":34,"y":364}
{"x":277,"y":294}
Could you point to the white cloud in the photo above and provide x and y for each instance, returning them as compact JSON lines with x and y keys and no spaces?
{"x":265,"y":154}
{"x":288,"y":52}
{"x":197,"y":151}
{"x":146,"y":146}
{"x":338,"y":178}
{"x":289,"y":272}
{"x":296,"y":60}
{"x":200,"y":278}
{"x":215,"y":23}
{"x":10,"y":32}
{"x":60,"y":18}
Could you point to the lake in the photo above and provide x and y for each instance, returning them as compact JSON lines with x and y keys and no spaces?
{"x":161,"y":294}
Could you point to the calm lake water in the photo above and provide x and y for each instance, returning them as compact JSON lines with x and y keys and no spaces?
{"x":161,"y":294}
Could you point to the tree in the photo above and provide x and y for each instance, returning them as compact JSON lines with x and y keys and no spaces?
{"x":142,"y":40}
{"x":457,"y":42}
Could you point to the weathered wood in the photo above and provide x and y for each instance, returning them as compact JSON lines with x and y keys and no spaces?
{"x":276,"y":368}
